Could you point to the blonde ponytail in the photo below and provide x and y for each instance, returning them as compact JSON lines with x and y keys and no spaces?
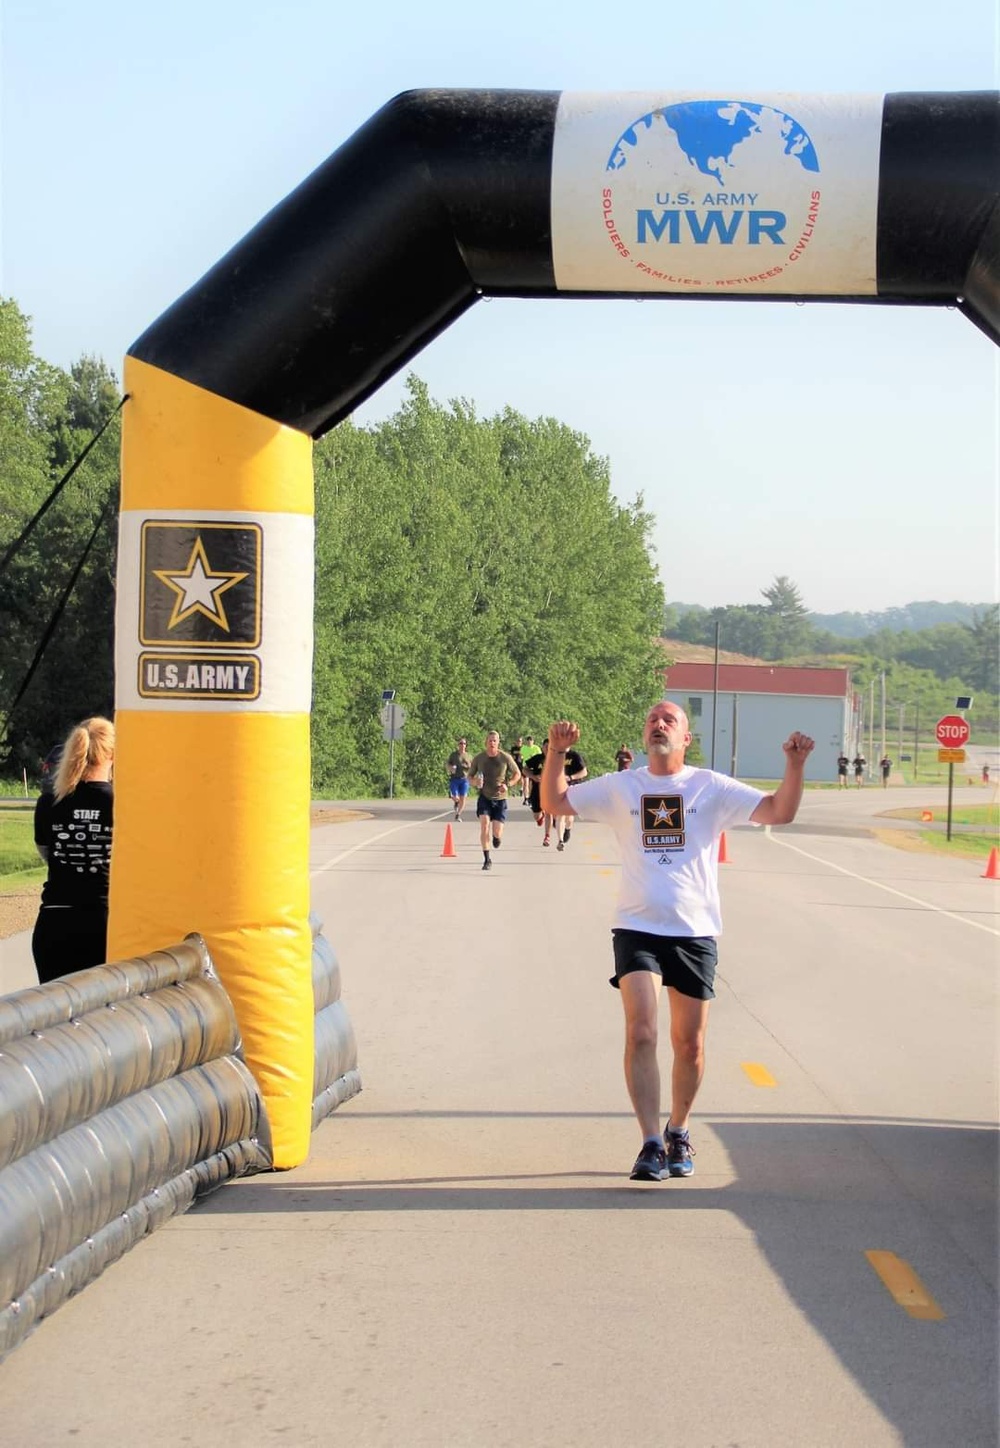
{"x":89,"y":744}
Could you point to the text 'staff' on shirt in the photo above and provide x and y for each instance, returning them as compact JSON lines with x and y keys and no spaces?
{"x":662,"y":822}
{"x":201,"y":584}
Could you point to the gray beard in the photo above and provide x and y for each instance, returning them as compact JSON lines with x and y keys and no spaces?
{"x":659,"y":748}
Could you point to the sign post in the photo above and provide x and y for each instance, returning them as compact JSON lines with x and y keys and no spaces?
{"x":952,"y":733}
{"x":392,"y":718}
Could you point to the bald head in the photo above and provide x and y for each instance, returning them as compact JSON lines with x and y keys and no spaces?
{"x":666,"y":729}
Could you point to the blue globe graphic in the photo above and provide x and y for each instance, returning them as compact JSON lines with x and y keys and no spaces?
{"x":720,"y":137}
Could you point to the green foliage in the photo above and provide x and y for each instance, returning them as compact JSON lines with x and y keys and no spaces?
{"x":926,"y":669}
{"x":482,"y":568}
{"x":17,"y":841}
{"x":47,"y":418}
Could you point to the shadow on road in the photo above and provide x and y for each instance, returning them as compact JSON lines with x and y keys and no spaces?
{"x":817,"y":1194}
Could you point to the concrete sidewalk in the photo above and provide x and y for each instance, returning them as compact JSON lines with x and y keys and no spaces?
{"x":17,"y":969}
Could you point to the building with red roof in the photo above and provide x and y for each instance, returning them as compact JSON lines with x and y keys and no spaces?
{"x":742,"y":726}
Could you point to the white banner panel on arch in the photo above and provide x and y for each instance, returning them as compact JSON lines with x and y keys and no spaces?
{"x":679,"y":192}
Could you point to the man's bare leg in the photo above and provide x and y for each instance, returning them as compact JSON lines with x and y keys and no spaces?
{"x":640,"y":993}
{"x":688,"y":1024}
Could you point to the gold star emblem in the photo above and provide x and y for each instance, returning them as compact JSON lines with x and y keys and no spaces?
{"x":199,"y":589}
{"x":663,"y":815}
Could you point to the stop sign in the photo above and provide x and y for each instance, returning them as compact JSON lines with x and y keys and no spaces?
{"x":952,"y":732}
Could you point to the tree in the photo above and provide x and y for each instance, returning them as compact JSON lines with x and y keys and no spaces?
{"x":789,"y":618}
{"x":47,"y":417}
{"x":984,"y":659}
{"x":427,"y":583}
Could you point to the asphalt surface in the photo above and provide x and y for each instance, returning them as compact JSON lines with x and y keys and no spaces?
{"x":463,"y":1259}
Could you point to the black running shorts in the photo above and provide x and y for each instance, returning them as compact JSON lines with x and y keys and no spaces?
{"x":495,"y":808}
{"x":686,"y":962}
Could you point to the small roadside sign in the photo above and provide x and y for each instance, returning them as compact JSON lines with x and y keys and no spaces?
{"x":392,"y":717}
{"x":951,"y":756}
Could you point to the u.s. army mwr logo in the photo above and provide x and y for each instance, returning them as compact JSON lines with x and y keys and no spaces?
{"x":662,"y":822}
{"x":200,"y":584}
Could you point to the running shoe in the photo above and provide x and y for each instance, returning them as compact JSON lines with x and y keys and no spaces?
{"x":560,"y":846}
{"x":487,"y":863}
{"x":496,"y":842}
{"x":650,"y":1164}
{"x":546,"y":841}
{"x":566,"y":836}
{"x":679,"y":1153}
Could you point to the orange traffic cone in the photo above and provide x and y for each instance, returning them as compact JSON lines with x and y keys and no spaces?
{"x":449,"y":852}
{"x":723,"y":852}
{"x":992,"y":871}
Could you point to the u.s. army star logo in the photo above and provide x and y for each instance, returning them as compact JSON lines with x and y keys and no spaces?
{"x":662,"y":821}
{"x":201,"y":584}
{"x":199,"y":589}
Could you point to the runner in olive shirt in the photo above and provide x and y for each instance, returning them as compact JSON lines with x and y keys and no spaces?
{"x":493,"y":773}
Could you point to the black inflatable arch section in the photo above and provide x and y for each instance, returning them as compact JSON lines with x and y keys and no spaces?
{"x":445,"y":196}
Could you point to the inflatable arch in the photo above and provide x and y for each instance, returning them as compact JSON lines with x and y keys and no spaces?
{"x":441,"y":198}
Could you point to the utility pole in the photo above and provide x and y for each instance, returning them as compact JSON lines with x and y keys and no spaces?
{"x":715,"y":689}
{"x":882,"y":754}
{"x":871,"y":725}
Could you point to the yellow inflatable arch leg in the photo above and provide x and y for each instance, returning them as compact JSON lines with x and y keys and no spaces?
{"x":214,"y":667}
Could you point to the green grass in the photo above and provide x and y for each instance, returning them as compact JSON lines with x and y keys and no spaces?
{"x":18,"y":855}
{"x":973,"y":814}
{"x":930,"y":771}
{"x":14,"y":789}
{"x":966,"y":845}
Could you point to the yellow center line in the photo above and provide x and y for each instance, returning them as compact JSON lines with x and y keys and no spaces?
{"x":904,"y":1286}
{"x":759,"y":1075}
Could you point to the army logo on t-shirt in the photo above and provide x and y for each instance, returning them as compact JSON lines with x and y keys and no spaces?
{"x":662,"y":822}
{"x":200,"y":584}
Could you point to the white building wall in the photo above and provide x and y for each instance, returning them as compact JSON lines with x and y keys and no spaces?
{"x":763,"y":723}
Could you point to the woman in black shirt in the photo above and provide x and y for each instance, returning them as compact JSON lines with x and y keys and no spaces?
{"x":73,"y":836}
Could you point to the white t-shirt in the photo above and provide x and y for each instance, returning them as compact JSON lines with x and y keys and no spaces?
{"x":668,"y":826}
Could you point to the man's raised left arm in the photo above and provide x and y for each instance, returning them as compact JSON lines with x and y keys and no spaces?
{"x":781,"y":807}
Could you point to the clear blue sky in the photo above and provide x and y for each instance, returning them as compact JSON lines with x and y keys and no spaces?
{"x":854,"y":449}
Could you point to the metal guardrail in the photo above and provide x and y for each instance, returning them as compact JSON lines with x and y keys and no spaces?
{"x":123,"y":1099}
{"x":335,"y":1074}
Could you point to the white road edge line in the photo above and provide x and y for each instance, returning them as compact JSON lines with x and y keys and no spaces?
{"x":913,"y":899}
{"x":374,"y":839}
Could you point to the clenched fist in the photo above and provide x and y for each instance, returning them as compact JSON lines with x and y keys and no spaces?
{"x":798,"y":747}
{"x":563,"y":735}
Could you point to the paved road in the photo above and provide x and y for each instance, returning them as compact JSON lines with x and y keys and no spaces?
{"x":462,"y":1260}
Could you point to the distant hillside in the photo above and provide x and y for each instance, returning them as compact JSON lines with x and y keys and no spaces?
{"x":848,"y":625}
{"x":915,"y":616}
{"x":681,"y":653}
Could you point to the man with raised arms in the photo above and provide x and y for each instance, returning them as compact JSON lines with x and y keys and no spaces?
{"x":668,"y":817}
